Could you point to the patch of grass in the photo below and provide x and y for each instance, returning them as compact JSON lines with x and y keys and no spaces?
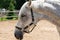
{"x":5,"y":18}
{"x":0,"y":18}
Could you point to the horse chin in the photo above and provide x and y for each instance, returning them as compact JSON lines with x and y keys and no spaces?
{"x":18,"y":34}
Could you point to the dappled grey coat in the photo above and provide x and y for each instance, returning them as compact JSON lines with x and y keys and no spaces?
{"x":49,"y":10}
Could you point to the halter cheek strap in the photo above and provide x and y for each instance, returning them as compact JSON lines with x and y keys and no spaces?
{"x":30,"y":23}
{"x":32,"y":19}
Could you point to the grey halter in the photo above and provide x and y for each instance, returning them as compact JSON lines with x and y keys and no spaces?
{"x":32,"y":15}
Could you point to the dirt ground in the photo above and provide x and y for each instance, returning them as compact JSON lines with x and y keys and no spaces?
{"x":44,"y":30}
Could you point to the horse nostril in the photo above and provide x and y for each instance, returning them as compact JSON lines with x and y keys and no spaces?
{"x":18,"y":34}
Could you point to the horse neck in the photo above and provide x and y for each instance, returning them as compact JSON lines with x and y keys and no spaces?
{"x":37,"y":17}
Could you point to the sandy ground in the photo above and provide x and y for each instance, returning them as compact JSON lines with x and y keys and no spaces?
{"x":44,"y":30}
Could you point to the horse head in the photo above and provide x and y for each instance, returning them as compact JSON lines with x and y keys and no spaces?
{"x":29,"y":15}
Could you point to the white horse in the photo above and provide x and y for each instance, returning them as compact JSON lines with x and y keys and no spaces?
{"x":38,"y":10}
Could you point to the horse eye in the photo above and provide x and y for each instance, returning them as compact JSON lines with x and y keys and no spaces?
{"x":23,"y":15}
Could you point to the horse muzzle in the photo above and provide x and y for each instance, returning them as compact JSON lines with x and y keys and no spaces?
{"x":18,"y":34}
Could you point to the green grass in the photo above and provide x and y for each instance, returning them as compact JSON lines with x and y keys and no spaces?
{"x":0,"y":18}
{"x":5,"y":18}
